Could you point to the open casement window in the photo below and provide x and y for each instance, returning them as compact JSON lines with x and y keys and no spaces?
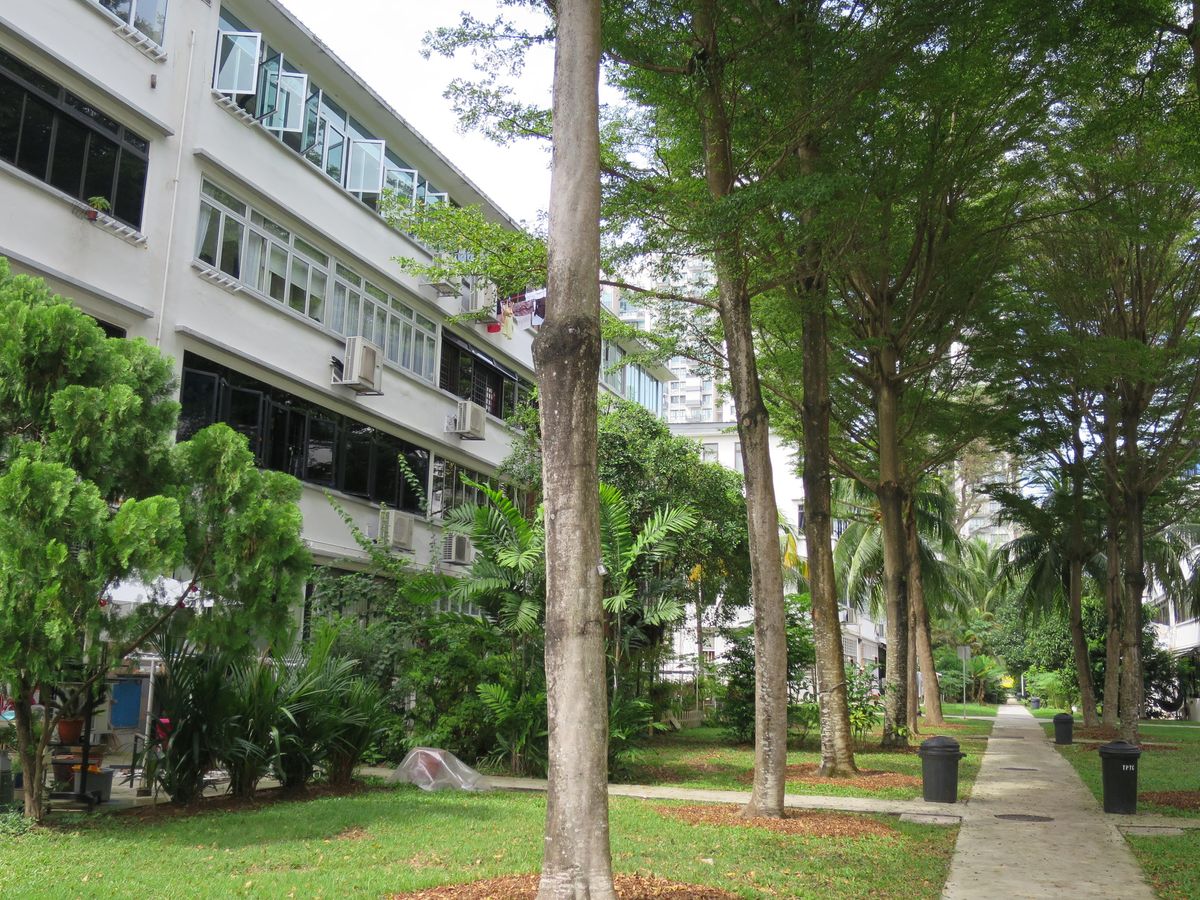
{"x":334,"y":161}
{"x":236,"y":71}
{"x":401,"y":183}
{"x":312,"y":138}
{"x":366,"y":167}
{"x":435,"y":198}
{"x":281,"y":97}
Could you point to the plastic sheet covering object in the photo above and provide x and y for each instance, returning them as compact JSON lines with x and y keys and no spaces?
{"x":438,"y":770}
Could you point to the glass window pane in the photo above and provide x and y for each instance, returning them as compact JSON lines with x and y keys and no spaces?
{"x":310,"y":251}
{"x":312,"y":141}
{"x":352,"y":300}
{"x":366,"y":167}
{"x":298,"y":288}
{"x":208,"y":234}
{"x":122,"y":9}
{"x":237,"y":62}
{"x":223,"y":197}
{"x":245,"y":415}
{"x":393,"y":341}
{"x":357,"y":465}
{"x":131,"y":189}
{"x":33,"y":154}
{"x":316,"y":295}
{"x":198,"y":402}
{"x":12,"y":99}
{"x":150,"y":19}
{"x":277,"y":273}
{"x":406,"y":345}
{"x":254,"y":265}
{"x":377,"y":293}
{"x":101,"y":167}
{"x":290,"y":103}
{"x":322,"y":438}
{"x":70,"y":151}
{"x":402,"y":183}
{"x":335,"y":150}
{"x":267,"y":97}
{"x":387,"y":474}
{"x":337,"y":309}
{"x":349,"y":275}
{"x":231,"y":248}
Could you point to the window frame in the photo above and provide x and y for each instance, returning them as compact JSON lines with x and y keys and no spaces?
{"x":237,"y":90}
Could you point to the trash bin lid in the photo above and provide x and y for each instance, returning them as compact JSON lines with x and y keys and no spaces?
{"x":938,"y":745}
{"x":1064,"y":717}
{"x":1120,"y":750}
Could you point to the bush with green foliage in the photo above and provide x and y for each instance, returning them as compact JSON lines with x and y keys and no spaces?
{"x":863,"y":700}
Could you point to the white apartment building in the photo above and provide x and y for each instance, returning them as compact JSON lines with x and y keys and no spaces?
{"x":862,"y":638}
{"x":238,"y":165}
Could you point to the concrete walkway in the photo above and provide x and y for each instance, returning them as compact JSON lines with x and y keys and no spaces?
{"x":1077,"y":852}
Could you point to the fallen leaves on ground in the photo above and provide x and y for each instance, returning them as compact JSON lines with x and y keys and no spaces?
{"x":806,"y":823}
{"x":524,"y":887}
{"x":865,"y":780}
{"x":1189,"y":800}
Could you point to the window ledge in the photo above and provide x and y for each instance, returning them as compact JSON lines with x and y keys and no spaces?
{"x":125,"y":232}
{"x":226,"y":103}
{"x":139,"y":41}
{"x":216,"y":276}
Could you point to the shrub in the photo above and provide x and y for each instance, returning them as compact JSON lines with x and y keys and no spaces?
{"x":866,"y":707}
{"x":360,"y":715}
{"x":804,"y":717}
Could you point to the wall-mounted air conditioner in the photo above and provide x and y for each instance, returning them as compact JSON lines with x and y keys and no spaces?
{"x":362,"y":367}
{"x":481,"y":299}
{"x":395,"y":529}
{"x":456,"y":549}
{"x":468,"y":421}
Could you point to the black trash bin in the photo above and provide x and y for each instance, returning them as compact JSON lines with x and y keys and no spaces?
{"x":1035,"y":702}
{"x":1119,"y":763}
{"x":1063,"y":725}
{"x":939,"y":769}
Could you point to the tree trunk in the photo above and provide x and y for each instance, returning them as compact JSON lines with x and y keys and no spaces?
{"x":1131,"y":617}
{"x":912,"y":720}
{"x":577,"y":860}
{"x":920,"y":626}
{"x":1075,"y":558}
{"x":1083,"y":666}
{"x":837,"y":740}
{"x":32,"y":752}
{"x":1112,"y":585}
{"x":699,"y":640}
{"x":895,"y":565}
{"x":766,"y":563}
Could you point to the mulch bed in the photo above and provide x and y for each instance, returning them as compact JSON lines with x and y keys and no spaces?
{"x":796,"y":821}
{"x":865,"y":780}
{"x":225,"y":803}
{"x":1189,"y":800}
{"x":524,"y":887}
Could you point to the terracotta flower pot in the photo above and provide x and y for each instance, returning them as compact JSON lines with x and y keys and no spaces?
{"x":92,"y":214}
{"x":70,"y":730}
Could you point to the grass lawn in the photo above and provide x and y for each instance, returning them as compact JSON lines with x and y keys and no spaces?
{"x":400,"y":839}
{"x":972,"y":709}
{"x":1170,"y":863}
{"x":706,"y":758}
{"x":1050,"y":712}
{"x":1158,"y":769}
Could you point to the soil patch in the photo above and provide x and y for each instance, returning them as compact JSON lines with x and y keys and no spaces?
{"x":1097,"y":732}
{"x":353,"y":833}
{"x":524,"y":887}
{"x":1189,"y":800}
{"x":796,"y":821}
{"x":865,"y":780}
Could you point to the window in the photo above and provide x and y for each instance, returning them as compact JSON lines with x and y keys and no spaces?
{"x":737,"y":457}
{"x":267,"y":258}
{"x":449,"y":490}
{"x":261,"y":80}
{"x":708,"y":453}
{"x":470,"y":374}
{"x":312,"y":443}
{"x":800,"y":518}
{"x":147,"y":16}
{"x":61,"y":139}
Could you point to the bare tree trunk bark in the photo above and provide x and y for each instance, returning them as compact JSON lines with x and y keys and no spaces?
{"x":895,"y":565}
{"x":912,"y":720}
{"x":766,"y":563}
{"x":32,"y":751}
{"x":920,"y":626}
{"x":1083,"y":670}
{"x":577,"y":860}
{"x":1113,"y":587}
{"x":1131,"y":617}
{"x":837,"y":740}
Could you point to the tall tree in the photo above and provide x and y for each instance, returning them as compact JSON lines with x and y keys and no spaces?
{"x":577,"y":861}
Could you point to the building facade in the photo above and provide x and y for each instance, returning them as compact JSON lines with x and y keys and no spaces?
{"x":208,"y":177}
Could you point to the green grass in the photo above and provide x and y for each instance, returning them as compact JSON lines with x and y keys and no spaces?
{"x":1170,"y":863}
{"x":402,"y":839}
{"x":972,"y":709}
{"x":1049,"y":712}
{"x":705,"y":758}
{"x":1158,"y":770}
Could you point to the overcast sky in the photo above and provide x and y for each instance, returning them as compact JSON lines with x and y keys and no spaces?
{"x":381,"y":41}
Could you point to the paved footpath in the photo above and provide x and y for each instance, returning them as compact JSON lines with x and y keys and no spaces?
{"x":1079,"y":852}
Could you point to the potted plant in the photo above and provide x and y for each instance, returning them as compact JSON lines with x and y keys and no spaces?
{"x":97,"y":205}
{"x":73,"y":707}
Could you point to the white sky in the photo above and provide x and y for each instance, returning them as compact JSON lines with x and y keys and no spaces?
{"x":381,"y":40}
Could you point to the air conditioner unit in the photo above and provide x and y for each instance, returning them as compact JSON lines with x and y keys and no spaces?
{"x":445,"y":287}
{"x":362,"y":366}
{"x":468,"y":421}
{"x":395,"y":529}
{"x":456,"y":549}
{"x":482,"y":298}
